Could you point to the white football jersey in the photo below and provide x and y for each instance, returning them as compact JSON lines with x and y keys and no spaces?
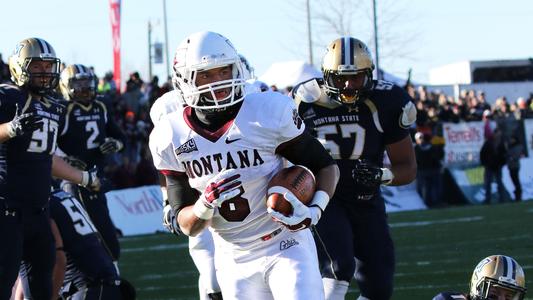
{"x":166,"y":104}
{"x":245,"y":146}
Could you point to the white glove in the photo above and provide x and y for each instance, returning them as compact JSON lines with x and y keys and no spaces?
{"x":90,"y":180}
{"x":216,"y":192}
{"x":308,"y":91}
{"x":169,"y":220}
{"x":302,"y":216}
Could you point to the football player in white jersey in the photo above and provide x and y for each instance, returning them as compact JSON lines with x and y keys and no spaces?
{"x":219,"y":152}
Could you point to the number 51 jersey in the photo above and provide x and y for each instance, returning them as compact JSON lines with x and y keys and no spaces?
{"x":245,"y":145}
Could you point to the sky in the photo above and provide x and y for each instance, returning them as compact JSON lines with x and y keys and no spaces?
{"x":414,"y":34}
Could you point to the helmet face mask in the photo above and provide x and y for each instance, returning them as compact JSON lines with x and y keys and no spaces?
{"x":78,"y":83}
{"x":204,"y":52}
{"x":498,"y":275}
{"x":34,"y":65}
{"x":347,"y":68}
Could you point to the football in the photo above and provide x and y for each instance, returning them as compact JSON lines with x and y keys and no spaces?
{"x":297,"y":179}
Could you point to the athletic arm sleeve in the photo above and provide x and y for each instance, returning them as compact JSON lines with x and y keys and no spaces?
{"x":180,"y":194}
{"x":307,"y":151}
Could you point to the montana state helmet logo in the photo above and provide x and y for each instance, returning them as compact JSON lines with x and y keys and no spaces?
{"x":187,"y":147}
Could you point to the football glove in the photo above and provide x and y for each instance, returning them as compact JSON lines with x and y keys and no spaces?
{"x":23,"y":124}
{"x":369,"y":177}
{"x":111,"y":145}
{"x":90,"y":180}
{"x":302,"y":216}
{"x":309,"y":91}
{"x":75,"y":162}
{"x":216,"y":192}
{"x":169,"y":220}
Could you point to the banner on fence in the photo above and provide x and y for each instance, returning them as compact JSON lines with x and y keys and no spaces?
{"x":137,"y":210}
{"x":463,"y":142}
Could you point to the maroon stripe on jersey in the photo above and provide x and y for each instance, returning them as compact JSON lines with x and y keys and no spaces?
{"x":212,"y":136}
{"x":172,"y":173}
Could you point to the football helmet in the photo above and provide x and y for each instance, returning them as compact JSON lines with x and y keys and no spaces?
{"x":347,"y":60}
{"x":248,"y":70}
{"x":497,"y":271}
{"x":204,"y":51}
{"x":78,"y":83}
{"x":29,"y":51}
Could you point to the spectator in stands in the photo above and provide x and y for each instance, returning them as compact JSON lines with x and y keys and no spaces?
{"x":428,"y":176}
{"x":523,"y":111}
{"x":514,"y":153}
{"x":132,"y":96}
{"x":133,"y":136}
{"x":493,"y":158}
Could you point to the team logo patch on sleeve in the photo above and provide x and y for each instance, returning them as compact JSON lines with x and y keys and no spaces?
{"x":188,"y":147}
{"x":408,"y":116}
{"x":296,"y":118}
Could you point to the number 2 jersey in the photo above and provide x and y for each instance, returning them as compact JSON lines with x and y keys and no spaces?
{"x":27,"y":160}
{"x":245,"y":145}
{"x":86,"y":127}
{"x":381,"y":118}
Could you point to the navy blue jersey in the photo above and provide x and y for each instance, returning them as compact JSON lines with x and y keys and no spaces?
{"x":86,"y":128}
{"x":359,"y":132}
{"x":450,"y":296}
{"x":27,"y":159}
{"x":87,"y":259}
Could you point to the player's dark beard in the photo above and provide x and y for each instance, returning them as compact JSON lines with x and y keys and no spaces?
{"x":215,"y":118}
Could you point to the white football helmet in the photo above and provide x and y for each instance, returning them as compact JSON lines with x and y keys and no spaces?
{"x":204,"y":51}
{"x":249,"y":72}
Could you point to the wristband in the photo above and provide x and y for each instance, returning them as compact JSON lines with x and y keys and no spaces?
{"x":84,"y":178}
{"x":202,"y":211}
{"x":387,"y":176}
{"x":320,"y":199}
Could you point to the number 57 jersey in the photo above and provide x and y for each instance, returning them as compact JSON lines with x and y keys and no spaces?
{"x":245,"y":145}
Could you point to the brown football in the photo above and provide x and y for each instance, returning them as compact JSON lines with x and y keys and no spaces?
{"x":297,"y":179}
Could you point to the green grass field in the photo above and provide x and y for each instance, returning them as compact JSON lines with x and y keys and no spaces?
{"x":436,"y":250}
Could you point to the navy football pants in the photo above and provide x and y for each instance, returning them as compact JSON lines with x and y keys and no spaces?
{"x":30,"y":247}
{"x":355,"y":239}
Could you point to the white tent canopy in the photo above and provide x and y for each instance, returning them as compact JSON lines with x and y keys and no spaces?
{"x":289,"y":73}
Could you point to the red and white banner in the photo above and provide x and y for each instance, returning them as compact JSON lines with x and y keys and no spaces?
{"x":114,"y":15}
{"x":463,"y":142}
{"x":138,"y":210}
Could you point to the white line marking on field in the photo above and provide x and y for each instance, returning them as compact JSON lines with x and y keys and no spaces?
{"x":444,"y":221}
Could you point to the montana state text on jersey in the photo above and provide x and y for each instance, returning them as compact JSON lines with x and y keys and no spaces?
{"x":86,"y":127}
{"x":360,"y":132}
{"x":28,"y":158}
